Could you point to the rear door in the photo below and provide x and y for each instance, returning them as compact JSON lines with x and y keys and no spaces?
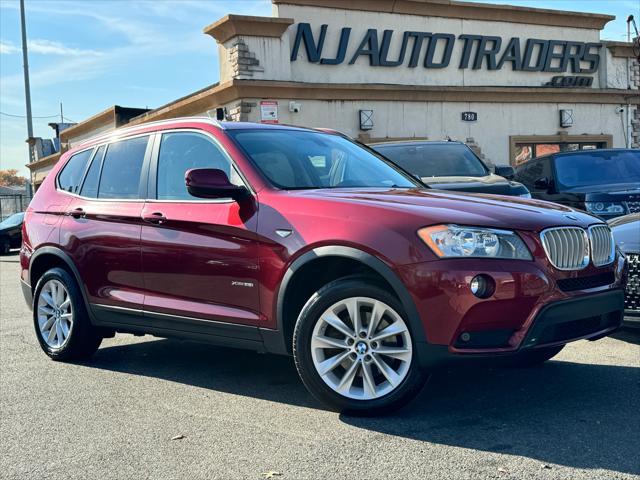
{"x":199,"y":256}
{"x":101,"y":231}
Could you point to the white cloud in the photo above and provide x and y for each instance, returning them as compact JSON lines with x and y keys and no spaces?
{"x":45,"y":47}
{"x":7,"y":48}
{"x":48,"y":47}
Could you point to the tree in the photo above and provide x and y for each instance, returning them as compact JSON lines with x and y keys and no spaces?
{"x":10,"y":178}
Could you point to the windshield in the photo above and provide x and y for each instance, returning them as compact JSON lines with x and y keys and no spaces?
{"x":435,"y":159}
{"x":297,"y":159}
{"x":598,"y":168}
{"x":12,"y":221}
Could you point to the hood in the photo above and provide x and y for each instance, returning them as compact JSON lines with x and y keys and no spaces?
{"x":493,"y":184}
{"x":627,"y":235}
{"x":431,"y":207}
{"x":615,"y":189}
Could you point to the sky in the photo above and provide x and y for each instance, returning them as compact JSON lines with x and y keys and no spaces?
{"x":91,"y":54}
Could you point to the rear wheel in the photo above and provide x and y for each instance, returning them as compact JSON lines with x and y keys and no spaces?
{"x":354,"y":349}
{"x":534,"y":357}
{"x":61,"y":320}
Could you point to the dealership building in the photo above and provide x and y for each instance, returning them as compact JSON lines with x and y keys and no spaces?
{"x":511,"y":82}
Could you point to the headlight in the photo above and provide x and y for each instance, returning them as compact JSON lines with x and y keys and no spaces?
{"x":474,"y":242}
{"x":604,"y":208}
{"x":525,"y":195}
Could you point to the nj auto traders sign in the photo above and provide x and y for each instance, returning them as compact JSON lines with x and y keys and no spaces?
{"x":434,"y":50}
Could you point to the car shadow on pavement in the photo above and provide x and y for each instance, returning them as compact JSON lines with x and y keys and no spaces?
{"x":571,"y":414}
{"x":629,"y":335}
{"x":241,"y":372}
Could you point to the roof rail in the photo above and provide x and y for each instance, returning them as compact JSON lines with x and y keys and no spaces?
{"x":142,"y":126}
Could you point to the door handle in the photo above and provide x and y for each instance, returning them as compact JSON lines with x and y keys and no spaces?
{"x":77,"y":213}
{"x":156,"y":218}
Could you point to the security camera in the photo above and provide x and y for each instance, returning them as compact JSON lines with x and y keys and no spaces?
{"x":295,"y":107}
{"x":619,"y":109}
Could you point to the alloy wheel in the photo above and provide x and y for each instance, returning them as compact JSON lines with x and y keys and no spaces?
{"x":55,"y":314}
{"x":361,"y":348}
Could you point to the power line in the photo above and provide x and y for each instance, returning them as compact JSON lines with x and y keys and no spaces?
{"x":47,"y":116}
{"x":24,"y":116}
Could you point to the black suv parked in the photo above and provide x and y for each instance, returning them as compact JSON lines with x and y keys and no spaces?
{"x":451,"y":166}
{"x":602,"y":182}
{"x":11,"y":232}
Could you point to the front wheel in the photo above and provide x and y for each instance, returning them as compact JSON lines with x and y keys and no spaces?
{"x":60,"y":318}
{"x":354,"y":349}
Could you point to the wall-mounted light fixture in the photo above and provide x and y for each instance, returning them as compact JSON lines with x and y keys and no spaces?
{"x":366,"y":119}
{"x":566,"y":118}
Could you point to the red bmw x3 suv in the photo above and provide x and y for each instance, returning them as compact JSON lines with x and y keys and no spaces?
{"x":296,"y":241}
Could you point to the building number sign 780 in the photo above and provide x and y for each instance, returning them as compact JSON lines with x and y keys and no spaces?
{"x":469,"y":116}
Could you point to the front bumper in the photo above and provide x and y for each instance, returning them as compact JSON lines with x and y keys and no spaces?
{"x":587,"y":317}
{"x":523,"y":307}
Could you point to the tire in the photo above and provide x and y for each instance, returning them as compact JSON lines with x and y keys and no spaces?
{"x":534,"y":357}
{"x":55,"y":309}
{"x":5,"y":247}
{"x":367,"y":390}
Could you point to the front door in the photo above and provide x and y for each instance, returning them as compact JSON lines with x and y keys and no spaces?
{"x":199,"y":256}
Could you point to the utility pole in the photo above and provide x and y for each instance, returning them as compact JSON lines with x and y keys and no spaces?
{"x":27,"y":87}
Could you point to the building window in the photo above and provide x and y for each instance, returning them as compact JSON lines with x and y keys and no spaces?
{"x":524,"y":149}
{"x":524,"y":152}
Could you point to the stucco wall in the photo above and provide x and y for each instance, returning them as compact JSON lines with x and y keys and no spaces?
{"x":75,"y":140}
{"x":39,"y":175}
{"x":613,"y":70}
{"x":362,"y":72}
{"x":437,"y":120}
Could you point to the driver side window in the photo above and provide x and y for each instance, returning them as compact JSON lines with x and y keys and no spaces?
{"x":182,"y":151}
{"x":328,"y":166}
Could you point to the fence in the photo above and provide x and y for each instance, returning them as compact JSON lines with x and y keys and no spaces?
{"x":12,"y":203}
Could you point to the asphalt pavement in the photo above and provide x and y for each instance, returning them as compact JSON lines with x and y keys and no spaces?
{"x":153,"y":408}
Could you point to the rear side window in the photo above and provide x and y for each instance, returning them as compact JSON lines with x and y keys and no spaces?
{"x":71,"y":175}
{"x":121,"y":169}
{"x":90,"y":185}
{"x":182,"y":151}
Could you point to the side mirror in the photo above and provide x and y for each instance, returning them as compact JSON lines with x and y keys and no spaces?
{"x":212,"y":183}
{"x":542,"y":184}
{"x":505,"y":171}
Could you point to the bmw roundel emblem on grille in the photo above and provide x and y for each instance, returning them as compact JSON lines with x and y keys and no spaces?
{"x":571,"y":217}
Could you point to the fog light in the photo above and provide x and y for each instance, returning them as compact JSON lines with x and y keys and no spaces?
{"x":482,"y":286}
{"x":465,"y":337}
